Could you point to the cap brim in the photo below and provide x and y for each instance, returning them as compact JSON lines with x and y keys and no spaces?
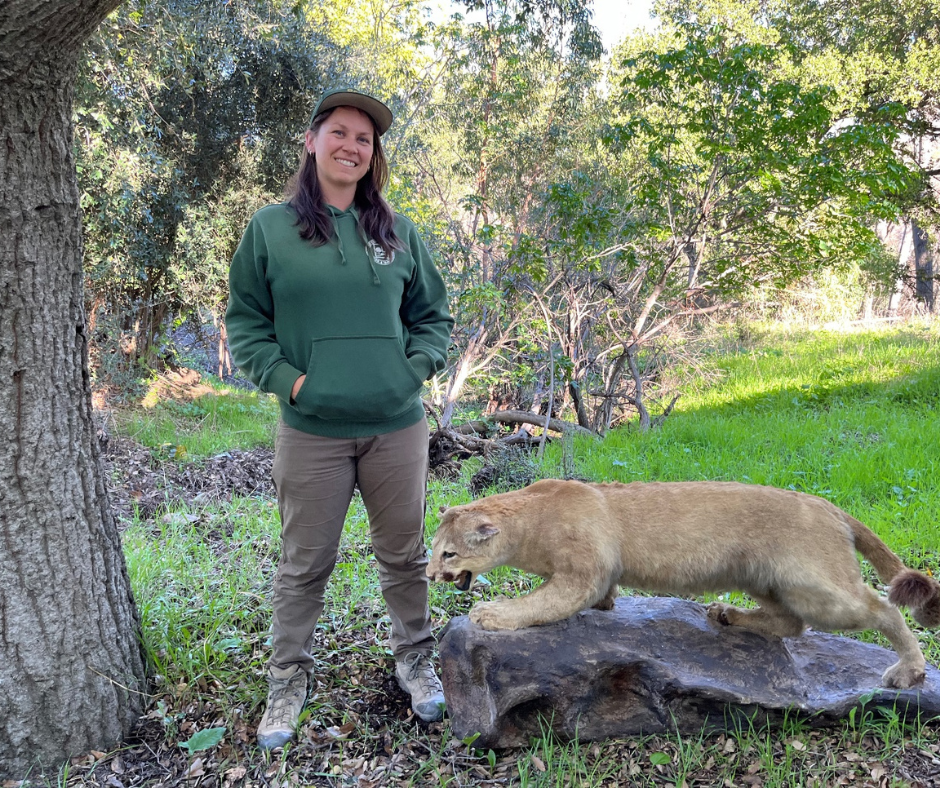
{"x":374,"y":108}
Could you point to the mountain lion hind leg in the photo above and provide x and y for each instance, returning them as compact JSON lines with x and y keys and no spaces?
{"x":607,"y":602}
{"x":770,"y":619}
{"x":856,"y":608}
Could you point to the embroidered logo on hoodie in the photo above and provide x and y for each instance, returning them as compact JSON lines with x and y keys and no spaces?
{"x":379,"y":255}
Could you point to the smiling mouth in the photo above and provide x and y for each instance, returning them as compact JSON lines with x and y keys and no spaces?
{"x":463,"y":581}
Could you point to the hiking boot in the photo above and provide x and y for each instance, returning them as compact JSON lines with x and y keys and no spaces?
{"x":287,"y":693}
{"x":417,"y":677}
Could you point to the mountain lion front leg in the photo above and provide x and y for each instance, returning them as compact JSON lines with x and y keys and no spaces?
{"x":554,"y":600}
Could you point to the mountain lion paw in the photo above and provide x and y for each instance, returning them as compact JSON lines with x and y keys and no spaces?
{"x":607,"y":603}
{"x":492,"y":615}
{"x":718,"y":612}
{"x":901,"y":676}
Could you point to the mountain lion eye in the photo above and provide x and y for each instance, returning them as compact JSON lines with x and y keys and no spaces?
{"x":445,"y":555}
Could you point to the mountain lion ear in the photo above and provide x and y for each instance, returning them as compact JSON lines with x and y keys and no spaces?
{"x":441,"y":509}
{"x":481,"y":533}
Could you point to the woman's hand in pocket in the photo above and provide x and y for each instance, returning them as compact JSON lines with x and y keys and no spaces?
{"x":295,"y":389}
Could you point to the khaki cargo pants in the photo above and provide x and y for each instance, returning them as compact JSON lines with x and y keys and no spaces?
{"x":315,"y":477}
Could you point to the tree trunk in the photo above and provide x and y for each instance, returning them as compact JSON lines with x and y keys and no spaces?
{"x":71,"y":666}
{"x":897,"y":237}
{"x":924,"y":276}
{"x":635,"y":373}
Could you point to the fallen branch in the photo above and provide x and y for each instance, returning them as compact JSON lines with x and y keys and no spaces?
{"x":525,"y":417}
{"x":449,"y":446}
{"x":477,"y":427}
{"x":658,"y":421}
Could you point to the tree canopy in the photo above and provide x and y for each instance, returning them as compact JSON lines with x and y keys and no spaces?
{"x":580,"y":202}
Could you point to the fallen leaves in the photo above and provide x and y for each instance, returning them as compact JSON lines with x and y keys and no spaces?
{"x":234,"y":775}
{"x":196,"y":769}
{"x":364,"y":737}
{"x":142,"y":485}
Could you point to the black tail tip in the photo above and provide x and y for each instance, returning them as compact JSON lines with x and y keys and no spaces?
{"x":918,"y":592}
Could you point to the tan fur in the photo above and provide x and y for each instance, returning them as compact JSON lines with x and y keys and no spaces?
{"x":793,"y":553}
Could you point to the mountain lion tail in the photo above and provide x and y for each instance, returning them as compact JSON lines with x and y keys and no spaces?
{"x":918,"y":592}
{"x":906,"y":587}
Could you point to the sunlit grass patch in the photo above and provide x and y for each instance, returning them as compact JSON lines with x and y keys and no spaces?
{"x":776,"y":366}
{"x":205,"y":426}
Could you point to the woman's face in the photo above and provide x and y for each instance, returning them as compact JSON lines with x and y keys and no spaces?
{"x":343,"y":148}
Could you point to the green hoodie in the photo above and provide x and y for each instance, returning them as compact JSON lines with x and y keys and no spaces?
{"x":367,"y":331}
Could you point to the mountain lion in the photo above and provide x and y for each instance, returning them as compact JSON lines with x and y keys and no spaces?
{"x":793,"y":553}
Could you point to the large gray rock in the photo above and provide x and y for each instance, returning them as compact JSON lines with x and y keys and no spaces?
{"x":653,"y":665}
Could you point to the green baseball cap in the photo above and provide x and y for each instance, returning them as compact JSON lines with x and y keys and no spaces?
{"x":347,"y":97}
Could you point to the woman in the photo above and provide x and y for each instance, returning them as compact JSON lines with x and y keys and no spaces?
{"x":336,"y":307}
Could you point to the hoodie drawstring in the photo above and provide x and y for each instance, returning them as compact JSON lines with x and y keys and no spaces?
{"x":339,"y":238}
{"x":375,"y":274}
{"x":339,"y":243}
{"x":342,"y":251}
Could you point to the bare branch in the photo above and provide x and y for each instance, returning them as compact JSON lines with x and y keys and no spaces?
{"x":536,"y":419}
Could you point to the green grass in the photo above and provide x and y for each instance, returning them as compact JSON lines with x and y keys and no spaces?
{"x":205,"y":426}
{"x":851,"y":417}
{"x":201,"y":581}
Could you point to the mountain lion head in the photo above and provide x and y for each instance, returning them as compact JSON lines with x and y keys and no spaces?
{"x":466,"y":545}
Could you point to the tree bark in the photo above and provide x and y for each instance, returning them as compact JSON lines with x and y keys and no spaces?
{"x":71,"y":666}
{"x":924,"y":276}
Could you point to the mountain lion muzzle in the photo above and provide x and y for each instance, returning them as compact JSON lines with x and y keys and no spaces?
{"x":793,"y":553}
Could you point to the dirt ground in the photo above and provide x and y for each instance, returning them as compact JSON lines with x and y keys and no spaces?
{"x":142,"y":483}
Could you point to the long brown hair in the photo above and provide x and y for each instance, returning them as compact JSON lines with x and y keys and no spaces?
{"x":376,"y":217}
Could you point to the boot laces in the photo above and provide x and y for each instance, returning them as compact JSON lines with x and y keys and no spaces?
{"x":283,"y":696}
{"x":419,"y":669}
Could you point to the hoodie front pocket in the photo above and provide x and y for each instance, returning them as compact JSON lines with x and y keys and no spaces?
{"x":357,"y":379}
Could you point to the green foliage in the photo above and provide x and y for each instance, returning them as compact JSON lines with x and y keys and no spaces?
{"x":207,"y":237}
{"x":498,"y":131}
{"x":189,"y":117}
{"x":744,"y":175}
{"x":886,"y":50}
{"x":582,"y":218}
{"x":185,"y":113}
{"x":873,"y":53}
{"x":205,"y":739}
